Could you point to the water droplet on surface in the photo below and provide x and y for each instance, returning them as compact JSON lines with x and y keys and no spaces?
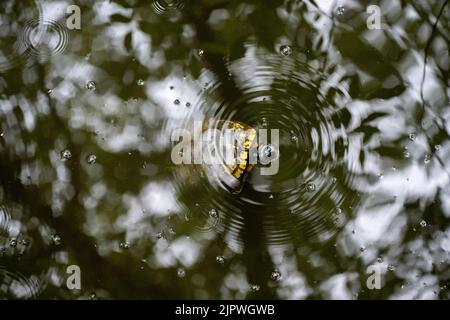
{"x":181,"y":273}
{"x":406,"y":154}
{"x":49,"y":91}
{"x":91,"y":85}
{"x":13,"y":242}
{"x":294,"y":138}
{"x":423,"y":223}
{"x":264,"y":122}
{"x":412,"y":136}
{"x":176,"y":101}
{"x":391,"y":267}
{"x":201,"y":52}
{"x":275,"y":275}
{"x":213,"y":213}
{"x":362,"y":249}
{"x":91,"y":159}
{"x":379,"y":260}
{"x":56,"y":240}
{"x":66,"y":154}
{"x":140,"y":82}
{"x":437,"y":147}
{"x":427,"y":158}
{"x":285,"y":50}
{"x":340,"y":10}
{"x":188,"y":104}
{"x":124,"y":245}
{"x":255,"y":287}
{"x":220,"y":259}
{"x":311,"y":187}
{"x":1,"y":134}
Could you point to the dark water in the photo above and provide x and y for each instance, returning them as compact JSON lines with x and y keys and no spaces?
{"x":87,"y":180}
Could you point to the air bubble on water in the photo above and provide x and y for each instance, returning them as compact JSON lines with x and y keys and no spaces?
{"x":379,"y":260}
{"x":140,"y":82}
{"x":93,"y":296}
{"x":124,"y":245}
{"x":201,"y":52}
{"x":412,"y":136}
{"x":294,"y":138}
{"x":285,"y":50}
{"x":406,"y":153}
{"x":391,"y":267}
{"x":220,"y":259}
{"x":271,"y":196}
{"x":213,"y":213}
{"x":56,"y":240}
{"x":159,"y":235}
{"x":91,"y":85}
{"x":171,"y":87}
{"x":423,"y":223}
{"x":181,"y":273}
{"x":380,"y":176}
{"x":1,"y":134}
{"x":340,"y":10}
{"x":311,"y":187}
{"x":49,"y":91}
{"x":13,"y":242}
{"x":91,"y":159}
{"x":427,"y":158}
{"x":264,"y":122}
{"x":362,"y":249}
{"x":188,"y":104}
{"x":176,"y":101}
{"x":25,"y":242}
{"x":338,"y":211}
{"x":437,"y":147}
{"x":255,"y":287}
{"x":66,"y":154}
{"x":275,"y":275}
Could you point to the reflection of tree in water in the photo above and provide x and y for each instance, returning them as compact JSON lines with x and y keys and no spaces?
{"x":85,"y":205}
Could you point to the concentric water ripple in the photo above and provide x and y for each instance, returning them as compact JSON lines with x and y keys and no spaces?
{"x":14,"y":16}
{"x":14,"y":285}
{"x":167,"y":7}
{"x":45,"y":38}
{"x":5,"y":216}
{"x":311,"y":194}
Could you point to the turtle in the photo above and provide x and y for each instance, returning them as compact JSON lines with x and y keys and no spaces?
{"x":232,"y":151}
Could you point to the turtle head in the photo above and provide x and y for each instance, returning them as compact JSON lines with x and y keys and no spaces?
{"x":267,"y":153}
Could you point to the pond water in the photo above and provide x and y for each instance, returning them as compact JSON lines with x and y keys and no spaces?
{"x":354,"y":97}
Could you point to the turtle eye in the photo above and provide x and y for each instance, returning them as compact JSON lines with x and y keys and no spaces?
{"x":267,"y":153}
